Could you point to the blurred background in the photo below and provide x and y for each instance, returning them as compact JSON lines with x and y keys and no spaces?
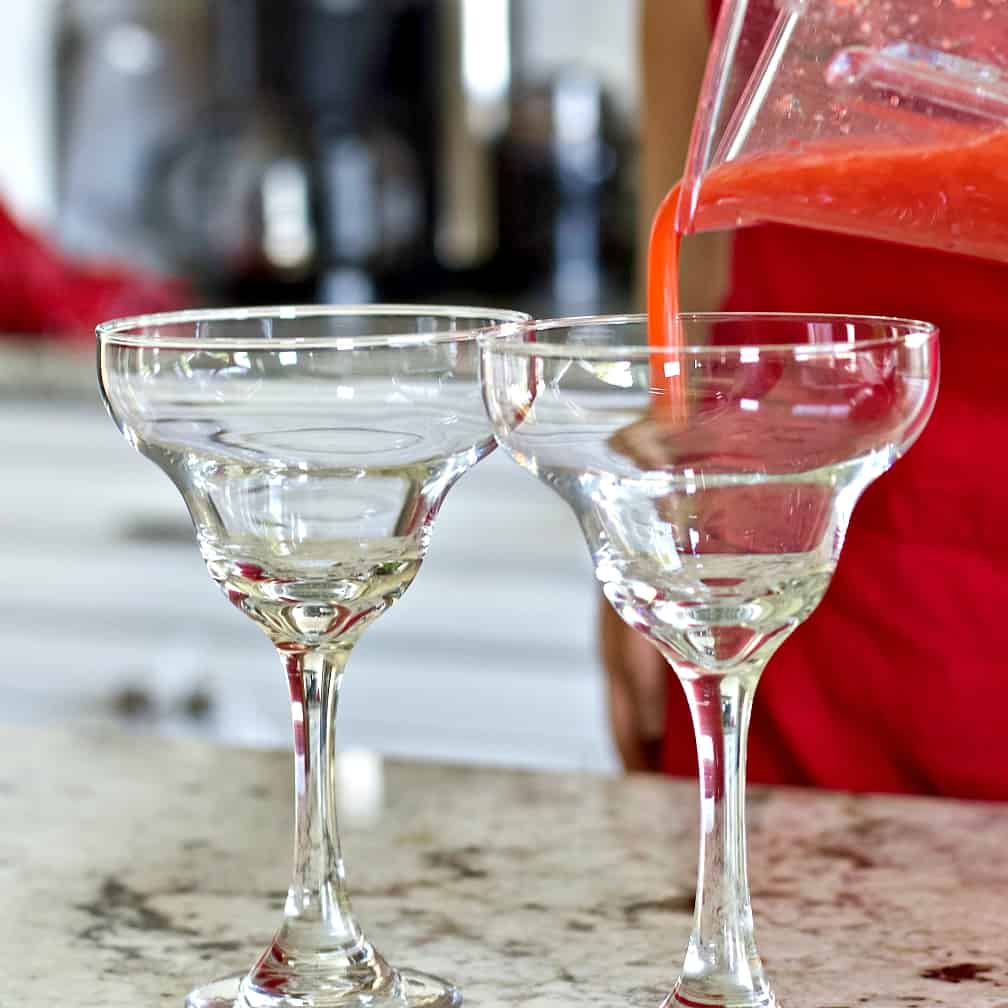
{"x":175,"y":152}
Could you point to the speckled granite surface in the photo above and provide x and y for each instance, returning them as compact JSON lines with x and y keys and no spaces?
{"x":131,"y":869}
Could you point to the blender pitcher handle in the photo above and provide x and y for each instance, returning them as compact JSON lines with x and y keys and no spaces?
{"x":926,"y":75}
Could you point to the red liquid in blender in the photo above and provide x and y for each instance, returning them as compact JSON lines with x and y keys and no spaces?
{"x":950,"y":195}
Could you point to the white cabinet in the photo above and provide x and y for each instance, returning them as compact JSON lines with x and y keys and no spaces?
{"x":106,"y":613}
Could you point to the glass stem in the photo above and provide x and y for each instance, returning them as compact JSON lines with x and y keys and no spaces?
{"x":722,"y":965}
{"x":320,"y":946}
{"x":317,"y":892}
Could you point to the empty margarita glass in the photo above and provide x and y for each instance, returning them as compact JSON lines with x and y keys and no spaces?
{"x":713,"y":481}
{"x":313,"y":448}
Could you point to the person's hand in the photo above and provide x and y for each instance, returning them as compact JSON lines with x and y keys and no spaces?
{"x":637,"y":677}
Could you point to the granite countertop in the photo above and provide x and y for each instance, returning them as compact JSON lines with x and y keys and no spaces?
{"x":133,"y":869}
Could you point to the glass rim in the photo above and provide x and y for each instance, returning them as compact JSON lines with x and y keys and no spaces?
{"x":506,"y":337}
{"x":132,"y":331}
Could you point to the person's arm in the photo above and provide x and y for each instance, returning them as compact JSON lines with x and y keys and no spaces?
{"x":675,"y":37}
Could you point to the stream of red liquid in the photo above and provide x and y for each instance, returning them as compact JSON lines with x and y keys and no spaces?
{"x":667,"y":390}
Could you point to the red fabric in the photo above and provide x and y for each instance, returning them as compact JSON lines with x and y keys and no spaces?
{"x":44,"y":293}
{"x":893,"y":684}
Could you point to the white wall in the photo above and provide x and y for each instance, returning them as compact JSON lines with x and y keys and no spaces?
{"x":27,"y":181}
{"x":600,"y":35}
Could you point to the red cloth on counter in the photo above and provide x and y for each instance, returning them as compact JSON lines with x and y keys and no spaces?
{"x":893,"y":683}
{"x":42,"y":292}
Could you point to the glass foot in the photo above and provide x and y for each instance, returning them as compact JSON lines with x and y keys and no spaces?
{"x":715,"y":996}
{"x":414,"y":990}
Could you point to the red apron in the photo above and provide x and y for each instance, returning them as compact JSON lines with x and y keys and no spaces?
{"x":892,"y":683}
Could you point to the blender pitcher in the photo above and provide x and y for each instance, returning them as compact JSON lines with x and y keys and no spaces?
{"x":880,"y":118}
